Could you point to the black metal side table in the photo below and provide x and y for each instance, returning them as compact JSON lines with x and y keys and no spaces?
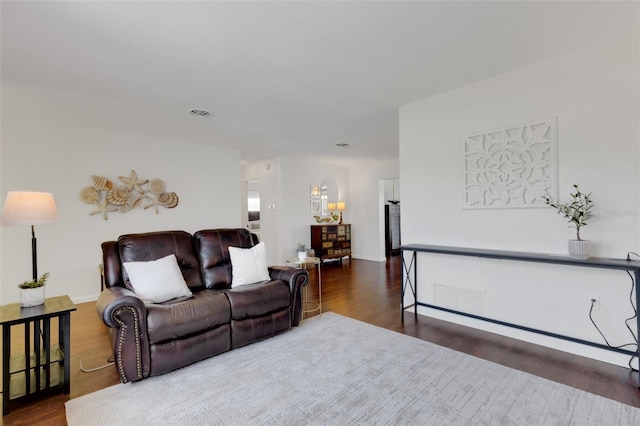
{"x":43,"y":366}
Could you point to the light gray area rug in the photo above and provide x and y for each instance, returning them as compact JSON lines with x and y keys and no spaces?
{"x":334,"y":370}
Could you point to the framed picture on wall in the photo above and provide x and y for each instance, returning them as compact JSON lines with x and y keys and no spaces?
{"x":315,"y":206}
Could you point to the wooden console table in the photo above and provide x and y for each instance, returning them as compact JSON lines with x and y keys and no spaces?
{"x":331,"y":241}
{"x":410,"y":264}
{"x":22,"y":379}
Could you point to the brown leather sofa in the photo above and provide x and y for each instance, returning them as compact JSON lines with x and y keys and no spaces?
{"x":152,"y":339}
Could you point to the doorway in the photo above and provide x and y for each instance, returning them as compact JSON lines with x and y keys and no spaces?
{"x":391,"y":204}
{"x":253,"y":206}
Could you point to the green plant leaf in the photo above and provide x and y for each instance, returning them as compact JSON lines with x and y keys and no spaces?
{"x":40,"y":282}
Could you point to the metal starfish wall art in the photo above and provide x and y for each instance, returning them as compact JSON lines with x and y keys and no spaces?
{"x":132,"y":193}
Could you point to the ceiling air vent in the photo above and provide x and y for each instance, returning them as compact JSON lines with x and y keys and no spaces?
{"x":200,"y":113}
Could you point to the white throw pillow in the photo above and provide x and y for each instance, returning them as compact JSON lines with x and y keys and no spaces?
{"x":249,"y":265}
{"x":157,"y":281}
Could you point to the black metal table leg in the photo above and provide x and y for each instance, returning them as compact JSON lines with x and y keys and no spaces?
{"x":636,"y":278}
{"x":6,"y":373}
{"x":37,"y":351}
{"x":27,"y":357}
{"x":46,"y":338}
{"x":65,"y":331}
{"x":407,"y":282}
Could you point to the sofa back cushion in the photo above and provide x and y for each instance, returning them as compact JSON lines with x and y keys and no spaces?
{"x":212,"y":246}
{"x":156,"y":245}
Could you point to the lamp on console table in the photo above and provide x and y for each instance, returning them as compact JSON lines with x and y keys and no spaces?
{"x":331,"y":207}
{"x":29,"y":208}
{"x":341,"y":205}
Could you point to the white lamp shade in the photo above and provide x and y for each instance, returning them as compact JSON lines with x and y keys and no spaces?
{"x":29,"y":208}
{"x":341,"y":206}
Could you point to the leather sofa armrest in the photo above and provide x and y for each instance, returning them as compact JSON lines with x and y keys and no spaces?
{"x":297,"y":279}
{"x":126,"y":315}
{"x":113,"y":298}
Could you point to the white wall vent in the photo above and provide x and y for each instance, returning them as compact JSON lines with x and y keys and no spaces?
{"x":459,"y":299}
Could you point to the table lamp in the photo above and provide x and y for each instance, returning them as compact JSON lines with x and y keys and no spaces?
{"x":29,"y":208}
{"x":341,"y":205}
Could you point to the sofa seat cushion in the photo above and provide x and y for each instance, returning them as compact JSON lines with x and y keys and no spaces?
{"x":173,"y":354}
{"x":203,"y":311}
{"x":255,"y":300}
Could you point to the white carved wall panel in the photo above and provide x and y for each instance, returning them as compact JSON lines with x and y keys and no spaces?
{"x":511,"y":167}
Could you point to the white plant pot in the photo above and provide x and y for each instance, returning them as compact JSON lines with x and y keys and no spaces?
{"x":580,"y":249}
{"x":31,"y":296}
{"x":302,"y":255}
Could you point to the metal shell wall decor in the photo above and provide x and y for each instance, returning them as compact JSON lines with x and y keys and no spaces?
{"x":321,"y":219}
{"x":132,"y":193}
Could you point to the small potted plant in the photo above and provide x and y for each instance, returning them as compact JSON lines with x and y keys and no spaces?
{"x":32,"y":292}
{"x":576,"y":211}
{"x":302,"y":251}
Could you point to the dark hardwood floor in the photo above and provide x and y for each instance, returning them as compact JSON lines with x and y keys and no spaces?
{"x":370,"y":292}
{"x":363,"y":290}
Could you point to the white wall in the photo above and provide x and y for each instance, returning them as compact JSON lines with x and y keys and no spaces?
{"x":268,"y":173}
{"x":594,"y":94}
{"x":53,"y":152}
{"x":367,"y":206}
{"x":54,"y":149}
{"x":298,"y":174}
{"x":285,"y":182}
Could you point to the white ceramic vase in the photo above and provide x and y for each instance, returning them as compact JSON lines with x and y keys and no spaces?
{"x":31,"y":296}
{"x":580,"y":249}
{"x":302,"y":255}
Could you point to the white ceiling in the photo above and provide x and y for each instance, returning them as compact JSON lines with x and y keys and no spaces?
{"x":280,"y":78}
